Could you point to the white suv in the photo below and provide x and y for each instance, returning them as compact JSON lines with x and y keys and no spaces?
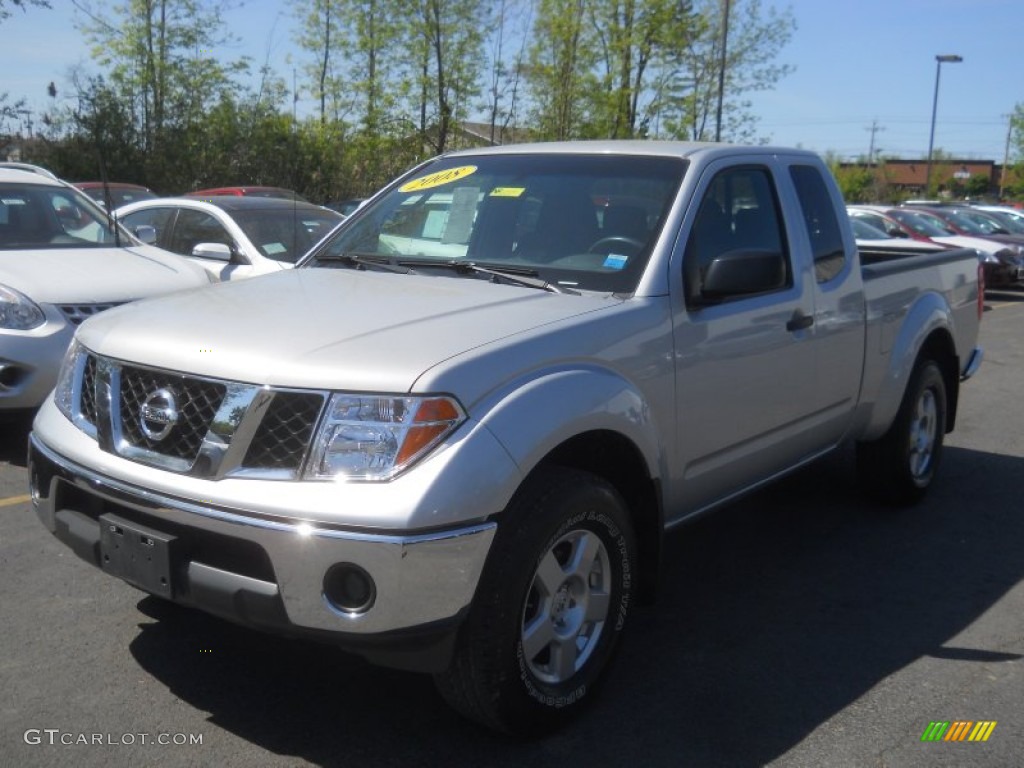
{"x":62,"y":260}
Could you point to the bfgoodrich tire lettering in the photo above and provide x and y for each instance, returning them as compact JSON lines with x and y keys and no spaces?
{"x":899,"y":466}
{"x":550,"y":607}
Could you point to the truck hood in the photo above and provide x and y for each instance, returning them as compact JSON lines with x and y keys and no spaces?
{"x":97,"y":275}
{"x":326,"y":328}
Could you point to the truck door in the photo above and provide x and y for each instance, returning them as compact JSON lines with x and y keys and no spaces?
{"x":745,"y":363}
{"x":839,"y":309}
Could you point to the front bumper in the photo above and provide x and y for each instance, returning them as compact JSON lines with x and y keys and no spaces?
{"x":1003,"y":273}
{"x":30,"y":360}
{"x":268,"y":573}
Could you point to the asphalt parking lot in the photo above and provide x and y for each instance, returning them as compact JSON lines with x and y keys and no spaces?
{"x":800,"y":627}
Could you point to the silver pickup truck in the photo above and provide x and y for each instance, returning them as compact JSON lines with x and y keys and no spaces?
{"x":454,"y":438}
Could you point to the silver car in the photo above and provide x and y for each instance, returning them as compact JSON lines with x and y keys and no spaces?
{"x":62,"y":260}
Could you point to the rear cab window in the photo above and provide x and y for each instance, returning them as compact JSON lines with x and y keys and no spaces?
{"x":820,"y":220}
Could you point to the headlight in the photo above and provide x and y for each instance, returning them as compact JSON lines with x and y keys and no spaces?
{"x":18,"y":312}
{"x":63,"y":393}
{"x":374,"y":437}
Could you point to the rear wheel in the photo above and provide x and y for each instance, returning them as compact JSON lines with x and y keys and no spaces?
{"x":550,"y":606}
{"x":898,"y":467}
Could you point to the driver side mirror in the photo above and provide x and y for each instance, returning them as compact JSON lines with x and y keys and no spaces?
{"x":145,"y":233}
{"x":745,"y":272}
{"x":213,"y":251}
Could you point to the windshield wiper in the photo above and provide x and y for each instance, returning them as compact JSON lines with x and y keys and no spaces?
{"x":517,"y":276}
{"x":365,"y":260}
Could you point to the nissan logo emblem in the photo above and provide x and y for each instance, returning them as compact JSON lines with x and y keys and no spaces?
{"x":159,"y":414}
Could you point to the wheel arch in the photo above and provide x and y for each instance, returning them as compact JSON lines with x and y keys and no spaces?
{"x":615,"y":458}
{"x":939,"y":346}
{"x":923,"y":334}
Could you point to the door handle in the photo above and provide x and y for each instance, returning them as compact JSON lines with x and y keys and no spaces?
{"x":799,"y":321}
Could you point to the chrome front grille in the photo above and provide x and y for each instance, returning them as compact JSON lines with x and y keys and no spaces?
{"x":88,"y":403}
{"x":285,"y":432}
{"x":194,"y":425}
{"x":197,"y":402}
{"x":76,"y":314}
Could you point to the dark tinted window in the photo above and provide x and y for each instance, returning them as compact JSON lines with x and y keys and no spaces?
{"x":48,"y":216}
{"x":195,"y":227}
{"x":820,"y":219}
{"x":285,"y":234}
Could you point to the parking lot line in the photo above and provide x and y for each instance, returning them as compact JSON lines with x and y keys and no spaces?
{"x":11,"y":501}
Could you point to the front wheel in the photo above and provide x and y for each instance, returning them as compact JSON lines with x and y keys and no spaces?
{"x":550,"y":607}
{"x":899,"y":466}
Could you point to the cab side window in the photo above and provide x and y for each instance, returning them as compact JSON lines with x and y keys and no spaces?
{"x":739,"y":214}
{"x":195,"y":227}
{"x":820,"y":219}
{"x":158,"y":218}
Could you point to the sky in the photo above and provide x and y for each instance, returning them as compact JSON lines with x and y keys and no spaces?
{"x":858,"y":64}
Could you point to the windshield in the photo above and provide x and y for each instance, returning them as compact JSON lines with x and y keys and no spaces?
{"x":579,"y":221}
{"x":987,"y":223}
{"x":1008,"y":221}
{"x":964,"y":223}
{"x":923,"y":223}
{"x":43,"y":216}
{"x":864,"y":231}
{"x":285,"y":234}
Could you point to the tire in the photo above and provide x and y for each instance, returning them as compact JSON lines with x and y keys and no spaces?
{"x":899,"y":467}
{"x":550,"y":607}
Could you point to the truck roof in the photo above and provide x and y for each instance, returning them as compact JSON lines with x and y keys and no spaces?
{"x":629,"y":147}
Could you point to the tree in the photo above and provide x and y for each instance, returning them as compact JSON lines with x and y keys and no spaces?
{"x":319,"y":34}
{"x":756,"y":37}
{"x":6,"y":5}
{"x":561,"y":69}
{"x":510,"y":22}
{"x":161,"y":55}
{"x":637,"y":40}
{"x":1016,"y":137}
{"x":446,"y":43}
{"x":11,"y":110}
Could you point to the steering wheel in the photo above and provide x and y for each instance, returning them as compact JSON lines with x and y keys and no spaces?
{"x":604,"y":245}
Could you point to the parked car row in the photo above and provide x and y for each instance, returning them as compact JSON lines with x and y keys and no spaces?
{"x":997,"y":234}
{"x":62,"y":260}
{"x":69,"y":251}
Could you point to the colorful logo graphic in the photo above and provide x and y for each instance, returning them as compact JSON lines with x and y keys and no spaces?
{"x":959,"y":730}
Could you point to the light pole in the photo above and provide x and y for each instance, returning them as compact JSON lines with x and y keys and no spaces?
{"x":949,"y":58}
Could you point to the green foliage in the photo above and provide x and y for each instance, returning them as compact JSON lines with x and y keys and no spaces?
{"x":1017,"y":134}
{"x":857,"y":184}
{"x":394,"y":81}
{"x":561,"y":69}
{"x":6,"y":5}
{"x":756,"y":36}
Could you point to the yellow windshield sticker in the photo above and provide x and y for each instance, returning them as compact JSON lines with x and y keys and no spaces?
{"x":437,"y":179}
{"x":507,"y":191}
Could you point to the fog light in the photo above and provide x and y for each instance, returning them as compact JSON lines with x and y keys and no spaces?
{"x":349,"y":588}
{"x":10,"y":374}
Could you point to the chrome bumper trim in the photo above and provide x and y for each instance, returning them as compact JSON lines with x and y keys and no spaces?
{"x":239,"y":517}
{"x":421,"y":578}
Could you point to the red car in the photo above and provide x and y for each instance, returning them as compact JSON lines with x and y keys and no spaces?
{"x":287,"y":194}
